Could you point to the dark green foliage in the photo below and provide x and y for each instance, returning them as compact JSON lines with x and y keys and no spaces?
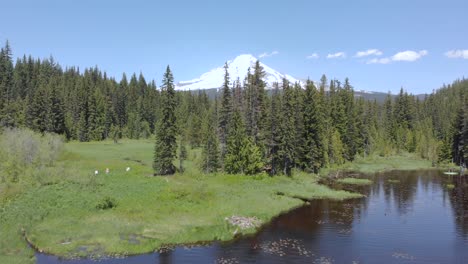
{"x":287,"y":150}
{"x":460,"y":138}
{"x":313,"y":129}
{"x":255,"y":106}
{"x":166,"y":145}
{"x":182,"y":156}
{"x":211,"y":154}
{"x":225,"y":111}
{"x":242,"y":155}
{"x":296,"y":127}
{"x":106,"y":203}
{"x":274,"y":135}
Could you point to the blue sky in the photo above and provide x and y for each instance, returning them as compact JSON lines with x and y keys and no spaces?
{"x":411,"y":38}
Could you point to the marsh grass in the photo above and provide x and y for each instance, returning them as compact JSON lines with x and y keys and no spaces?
{"x":450,"y":186}
{"x":71,"y":212}
{"x":355,"y":181}
{"x":375,"y":163}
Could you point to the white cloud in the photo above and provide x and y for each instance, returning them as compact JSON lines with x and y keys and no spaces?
{"x":313,"y":56}
{"x":457,"y":54}
{"x":266,"y":54}
{"x":368,"y":52}
{"x":380,"y":61}
{"x":409,"y":55}
{"x":336,"y":55}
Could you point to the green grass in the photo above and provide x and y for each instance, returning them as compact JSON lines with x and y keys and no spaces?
{"x":60,"y":214}
{"x":355,"y":181}
{"x":373,"y":164}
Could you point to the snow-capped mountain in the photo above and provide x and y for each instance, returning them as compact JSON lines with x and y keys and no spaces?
{"x":237,"y":69}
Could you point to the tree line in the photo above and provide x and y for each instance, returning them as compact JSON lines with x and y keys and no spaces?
{"x":247,"y":128}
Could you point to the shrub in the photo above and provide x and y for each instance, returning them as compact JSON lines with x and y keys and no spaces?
{"x":22,"y":150}
{"x":106,"y":203}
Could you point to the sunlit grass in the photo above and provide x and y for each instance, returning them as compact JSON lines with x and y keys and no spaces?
{"x":355,"y":181}
{"x":64,"y":216}
{"x":373,"y":164}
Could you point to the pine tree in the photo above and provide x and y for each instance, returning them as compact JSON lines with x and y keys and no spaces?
{"x":299,"y":130}
{"x":210,"y":153}
{"x":255,"y":98}
{"x":225,"y":111}
{"x":288,"y":134}
{"x":274,"y":135}
{"x":182,"y":155}
{"x":6,"y":75}
{"x":313,"y":129}
{"x":166,"y":145}
{"x":460,"y":138}
{"x":350,"y":135}
{"x":242,"y":156}
{"x":83,"y":133}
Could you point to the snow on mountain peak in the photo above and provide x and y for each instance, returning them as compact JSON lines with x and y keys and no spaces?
{"x":237,"y":69}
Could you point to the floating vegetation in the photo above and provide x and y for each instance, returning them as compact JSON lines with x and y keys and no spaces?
{"x":355,"y":181}
{"x":323,"y":260}
{"x":346,"y":231}
{"x":284,"y":246}
{"x":450,"y":186}
{"x":401,"y":255}
{"x":226,"y":261}
{"x":393,"y":181}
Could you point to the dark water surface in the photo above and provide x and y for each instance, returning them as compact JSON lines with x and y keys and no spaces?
{"x":416,"y":220}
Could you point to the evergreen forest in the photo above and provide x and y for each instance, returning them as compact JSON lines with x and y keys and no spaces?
{"x":246,"y":128}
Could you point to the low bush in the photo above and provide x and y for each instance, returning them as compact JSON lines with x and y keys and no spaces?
{"x":22,"y":151}
{"x":106,"y":203}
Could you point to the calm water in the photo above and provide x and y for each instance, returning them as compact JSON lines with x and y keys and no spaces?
{"x":418,"y":220}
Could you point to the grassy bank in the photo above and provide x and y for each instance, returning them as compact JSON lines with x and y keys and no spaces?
{"x":374,"y":164}
{"x":72,"y":212}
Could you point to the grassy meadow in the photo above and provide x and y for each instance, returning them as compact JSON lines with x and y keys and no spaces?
{"x":69,"y":211}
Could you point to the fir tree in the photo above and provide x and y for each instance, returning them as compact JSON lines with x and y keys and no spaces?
{"x":313,"y":129}
{"x":166,"y":145}
{"x":242,"y":156}
{"x":210,"y":153}
{"x":182,"y":155}
{"x":274,"y":141}
{"x":288,"y":134}
{"x":225,"y":111}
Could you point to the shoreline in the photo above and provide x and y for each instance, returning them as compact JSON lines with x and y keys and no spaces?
{"x":189,"y":208}
{"x":242,"y":234}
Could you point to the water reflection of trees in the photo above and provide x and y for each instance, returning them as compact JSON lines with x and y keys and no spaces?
{"x":402,"y":192}
{"x":310,"y":218}
{"x":165,"y":257}
{"x":458,"y":197}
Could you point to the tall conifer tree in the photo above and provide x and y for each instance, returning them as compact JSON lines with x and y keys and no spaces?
{"x":166,"y":145}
